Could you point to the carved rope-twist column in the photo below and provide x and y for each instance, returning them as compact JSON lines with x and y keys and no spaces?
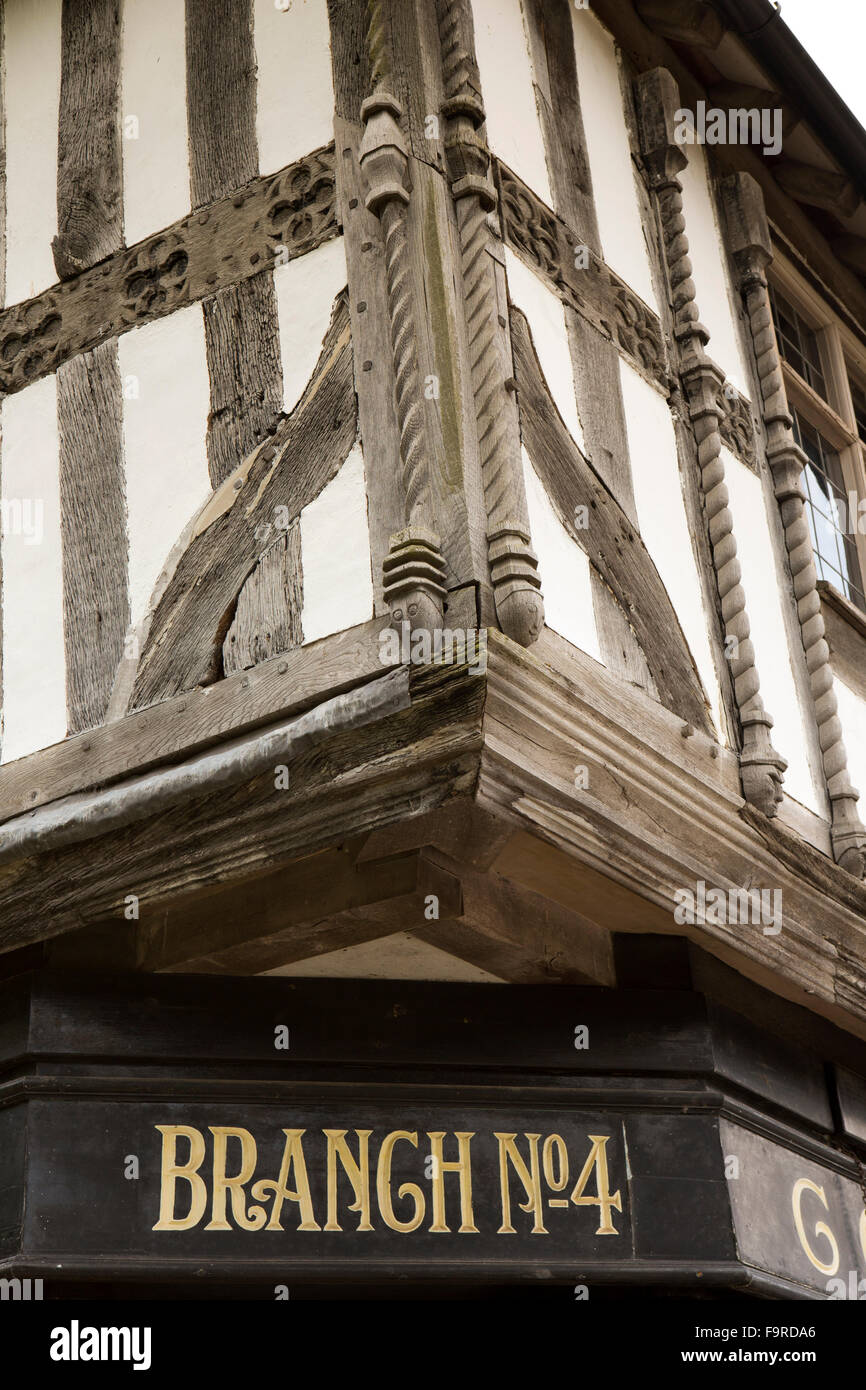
{"x":750,"y":243}
{"x":761,"y":767}
{"x":414,"y":569}
{"x":513,"y":564}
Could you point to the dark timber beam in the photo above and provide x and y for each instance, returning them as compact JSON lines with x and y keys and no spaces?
{"x":612,"y":544}
{"x":184,"y":646}
{"x":89,"y":178}
{"x":89,"y":396}
{"x":240,"y":322}
{"x":230,"y":241}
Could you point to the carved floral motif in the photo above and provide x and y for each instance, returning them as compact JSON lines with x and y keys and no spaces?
{"x":583,"y":281}
{"x":282,"y":215}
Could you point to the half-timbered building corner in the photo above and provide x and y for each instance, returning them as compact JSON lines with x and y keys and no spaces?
{"x":433,"y":651}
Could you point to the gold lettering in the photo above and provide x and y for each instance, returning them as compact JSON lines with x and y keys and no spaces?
{"x":530,"y":1178}
{"x":554,"y":1143}
{"x":598,"y":1160}
{"x":407,"y":1189}
{"x":172,"y":1171}
{"x":821,"y":1228}
{"x":224,"y":1186}
{"x":358,"y":1174}
{"x":293,"y":1157}
{"x":463,"y":1166}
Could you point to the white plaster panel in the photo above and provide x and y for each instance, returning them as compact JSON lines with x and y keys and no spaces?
{"x":852,"y":713}
{"x":616,"y":201}
{"x":707,"y":255}
{"x":31,"y":96}
{"x":306,"y":289}
{"x":546,"y":316}
{"x":663,"y":522}
{"x":154,"y":127}
{"x":34,"y":663}
{"x":564,"y":569}
{"x":295,"y":102}
{"x":335,"y":554}
{"x":165,"y":435}
{"x":513,"y":126}
{"x":769,"y":637}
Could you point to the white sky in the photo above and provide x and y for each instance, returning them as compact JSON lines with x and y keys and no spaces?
{"x":833,"y":32}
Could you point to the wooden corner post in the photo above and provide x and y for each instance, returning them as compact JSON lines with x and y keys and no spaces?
{"x":658,"y":100}
{"x":749,"y":241}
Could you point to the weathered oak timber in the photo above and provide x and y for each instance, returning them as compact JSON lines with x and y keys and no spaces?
{"x":760,"y":765}
{"x":89,"y":178}
{"x":594,"y":356}
{"x":323,"y":903}
{"x":185,"y":638}
{"x":748,"y":236}
{"x":415,"y":576}
{"x":513,"y":564}
{"x":342,"y":784}
{"x":221,"y":98}
{"x":656,"y":806}
{"x":647,"y":49}
{"x":183,"y":725}
{"x":612,"y":544}
{"x":350,"y":58}
{"x":268,"y":615}
{"x":557,"y":97}
{"x":241,"y":326}
{"x":93,"y":517}
{"x":374,"y":385}
{"x":230,"y":241}
{"x":242,"y":341}
{"x":547,"y":245}
{"x":597,"y":294}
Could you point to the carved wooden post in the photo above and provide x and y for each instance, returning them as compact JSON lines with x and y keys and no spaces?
{"x":513,"y":565}
{"x":751,"y":247}
{"x":414,"y":567}
{"x":761,"y":767}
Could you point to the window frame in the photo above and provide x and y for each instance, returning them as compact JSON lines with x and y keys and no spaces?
{"x":843,"y":355}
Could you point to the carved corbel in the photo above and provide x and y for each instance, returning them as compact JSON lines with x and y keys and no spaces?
{"x":513,"y":564}
{"x":749,"y":241}
{"x":414,"y":569}
{"x":761,"y":767}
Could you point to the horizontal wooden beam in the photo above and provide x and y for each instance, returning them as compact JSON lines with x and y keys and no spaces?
{"x":179,"y":727}
{"x":336,"y":785}
{"x":270,"y":221}
{"x":654,"y":812}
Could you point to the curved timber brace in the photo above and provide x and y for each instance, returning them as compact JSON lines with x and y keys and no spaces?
{"x":513,"y":564}
{"x":414,"y":569}
{"x":749,"y":241}
{"x":761,"y":767}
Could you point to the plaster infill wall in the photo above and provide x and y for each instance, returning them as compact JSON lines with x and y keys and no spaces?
{"x":31,"y":96}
